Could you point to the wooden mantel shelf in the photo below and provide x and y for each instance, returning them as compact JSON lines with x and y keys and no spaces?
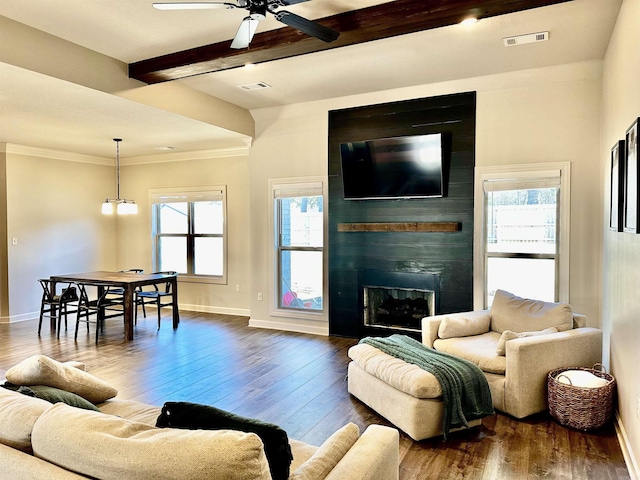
{"x":400,"y":227}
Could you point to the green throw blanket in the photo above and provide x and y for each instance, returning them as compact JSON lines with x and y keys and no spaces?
{"x":465,"y":390}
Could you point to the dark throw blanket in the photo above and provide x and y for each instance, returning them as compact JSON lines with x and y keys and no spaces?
{"x":204,"y":417}
{"x":465,"y":390}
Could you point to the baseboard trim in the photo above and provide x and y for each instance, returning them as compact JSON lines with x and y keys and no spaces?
{"x":322,"y":330}
{"x":242,"y":312}
{"x":627,"y":452}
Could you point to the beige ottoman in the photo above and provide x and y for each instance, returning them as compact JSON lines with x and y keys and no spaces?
{"x":406,"y":395}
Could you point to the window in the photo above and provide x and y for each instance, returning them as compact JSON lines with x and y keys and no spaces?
{"x":525,"y":229}
{"x":189,"y":231}
{"x":298,"y":214}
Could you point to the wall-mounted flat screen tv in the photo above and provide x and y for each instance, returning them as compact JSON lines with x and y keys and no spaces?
{"x":398,"y":167}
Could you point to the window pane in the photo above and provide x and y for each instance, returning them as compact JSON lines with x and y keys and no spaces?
{"x":209,"y":217}
{"x":173,"y":218}
{"x":522,"y":221}
{"x":301,"y":221}
{"x":301,"y":280}
{"x":172,"y":254}
{"x":526,"y":277}
{"x":209,"y":256}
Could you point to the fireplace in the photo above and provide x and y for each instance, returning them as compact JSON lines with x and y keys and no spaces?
{"x":397,"y":300}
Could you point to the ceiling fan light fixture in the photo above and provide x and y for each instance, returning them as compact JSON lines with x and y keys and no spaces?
{"x":469,"y":21}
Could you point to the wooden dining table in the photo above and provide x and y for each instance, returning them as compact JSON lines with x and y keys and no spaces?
{"x":129,"y":282}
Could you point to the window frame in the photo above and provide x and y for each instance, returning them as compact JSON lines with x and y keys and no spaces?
{"x":295,"y":185}
{"x":190,"y":195}
{"x":518,"y":174}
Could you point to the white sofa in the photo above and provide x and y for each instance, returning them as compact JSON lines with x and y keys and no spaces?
{"x":520,"y":327}
{"x":41,"y":440}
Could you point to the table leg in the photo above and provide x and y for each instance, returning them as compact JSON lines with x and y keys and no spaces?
{"x":174,"y":291}
{"x":128,"y":311}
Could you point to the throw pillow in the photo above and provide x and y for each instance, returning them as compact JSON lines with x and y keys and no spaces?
{"x":507,"y":335}
{"x":328,"y":455}
{"x":510,"y":312}
{"x":104,"y":446}
{"x":464,"y":325}
{"x":203,"y":417}
{"x":55,"y":395}
{"x":42,"y":370}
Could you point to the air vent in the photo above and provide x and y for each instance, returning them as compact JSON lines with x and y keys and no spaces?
{"x":522,"y":39}
{"x":254,"y":86}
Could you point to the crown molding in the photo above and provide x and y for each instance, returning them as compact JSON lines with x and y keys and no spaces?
{"x":239,"y":151}
{"x":55,"y":154}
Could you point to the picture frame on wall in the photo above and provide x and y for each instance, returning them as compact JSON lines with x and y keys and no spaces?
{"x":631,"y":198}
{"x":616,"y":206}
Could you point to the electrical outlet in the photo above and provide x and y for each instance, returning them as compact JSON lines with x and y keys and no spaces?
{"x":237,"y":287}
{"x":260,"y":296}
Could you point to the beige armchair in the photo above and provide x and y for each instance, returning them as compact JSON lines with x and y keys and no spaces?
{"x":516,"y":344}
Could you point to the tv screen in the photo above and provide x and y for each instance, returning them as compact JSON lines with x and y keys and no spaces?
{"x":399,"y":167}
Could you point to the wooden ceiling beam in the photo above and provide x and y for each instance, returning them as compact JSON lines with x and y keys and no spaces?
{"x":398,"y":17}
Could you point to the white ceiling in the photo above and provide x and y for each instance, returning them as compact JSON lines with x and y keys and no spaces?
{"x":47,"y":112}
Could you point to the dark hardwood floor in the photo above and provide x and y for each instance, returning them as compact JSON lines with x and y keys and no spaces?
{"x":298,"y":382}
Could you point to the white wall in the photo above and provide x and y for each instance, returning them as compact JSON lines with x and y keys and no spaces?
{"x":534,"y":116}
{"x":53,"y":212}
{"x":621,"y":254}
{"x":134,"y":233}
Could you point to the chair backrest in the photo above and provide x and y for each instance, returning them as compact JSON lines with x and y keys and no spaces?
{"x":84,"y":297}
{"x":167,"y":285}
{"x":69,"y":293}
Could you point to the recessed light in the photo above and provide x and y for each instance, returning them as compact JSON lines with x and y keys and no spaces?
{"x":469,"y":21}
{"x":254,"y":86}
{"x":165,"y":149}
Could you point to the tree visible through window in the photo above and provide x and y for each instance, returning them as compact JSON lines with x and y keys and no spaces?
{"x":299,"y":244}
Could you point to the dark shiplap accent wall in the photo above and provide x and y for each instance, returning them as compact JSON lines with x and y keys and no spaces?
{"x":449,"y":254}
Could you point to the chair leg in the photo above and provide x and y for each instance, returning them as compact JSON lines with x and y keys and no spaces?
{"x":159,"y":314}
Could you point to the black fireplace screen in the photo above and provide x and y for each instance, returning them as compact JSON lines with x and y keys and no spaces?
{"x":400,"y":308}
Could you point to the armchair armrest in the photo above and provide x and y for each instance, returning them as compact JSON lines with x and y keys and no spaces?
{"x":375,"y":455}
{"x":430,"y":326}
{"x":530,"y":359}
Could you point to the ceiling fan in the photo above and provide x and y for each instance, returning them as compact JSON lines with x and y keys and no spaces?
{"x":258,"y":11}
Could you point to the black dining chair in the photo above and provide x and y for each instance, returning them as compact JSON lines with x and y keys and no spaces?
{"x":56,"y":306}
{"x":88,"y":308}
{"x":116,"y":294}
{"x":160,"y":297}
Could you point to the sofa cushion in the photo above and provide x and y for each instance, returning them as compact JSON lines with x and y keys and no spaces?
{"x":194,"y":416}
{"x":18,"y":413}
{"x":510,"y":312}
{"x":464,"y":324}
{"x":509,"y":335}
{"x":131,"y":410}
{"x":403,"y":376}
{"x":328,"y":455}
{"x":108,"y":447}
{"x":479,"y":349}
{"x":42,"y":370}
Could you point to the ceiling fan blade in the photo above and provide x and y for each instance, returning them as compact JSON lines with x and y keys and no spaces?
{"x":313,"y":29}
{"x":194,"y":5}
{"x":290,"y":2}
{"x":245,"y":32}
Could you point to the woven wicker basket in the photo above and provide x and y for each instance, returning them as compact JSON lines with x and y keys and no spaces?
{"x":579,"y":407}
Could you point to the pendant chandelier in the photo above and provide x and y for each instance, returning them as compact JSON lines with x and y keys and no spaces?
{"x":123,"y":206}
